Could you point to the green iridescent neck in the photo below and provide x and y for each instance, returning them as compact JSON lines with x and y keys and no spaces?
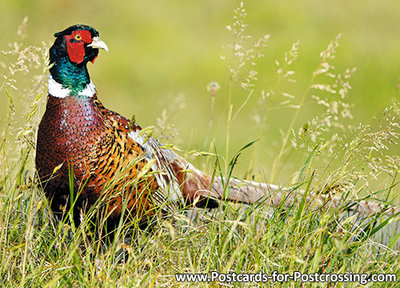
{"x":70,"y":76}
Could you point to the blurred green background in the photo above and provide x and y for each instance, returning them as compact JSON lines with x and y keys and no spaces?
{"x":162,"y":49}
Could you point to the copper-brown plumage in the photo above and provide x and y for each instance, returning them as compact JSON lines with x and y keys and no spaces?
{"x":80,"y":134}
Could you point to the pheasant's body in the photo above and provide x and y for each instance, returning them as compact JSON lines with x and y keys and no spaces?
{"x":112,"y":159}
{"x":93,"y":144}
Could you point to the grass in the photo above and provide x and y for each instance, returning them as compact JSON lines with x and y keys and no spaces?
{"x":334,"y":156}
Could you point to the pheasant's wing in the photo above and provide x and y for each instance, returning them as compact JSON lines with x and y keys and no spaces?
{"x":169,"y":194}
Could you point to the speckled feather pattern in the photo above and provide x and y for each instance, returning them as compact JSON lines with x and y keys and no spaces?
{"x":79,"y":132}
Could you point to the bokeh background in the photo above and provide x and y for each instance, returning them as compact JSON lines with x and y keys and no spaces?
{"x":164,"y":53}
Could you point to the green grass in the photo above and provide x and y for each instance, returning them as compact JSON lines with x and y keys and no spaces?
{"x":321,"y":149}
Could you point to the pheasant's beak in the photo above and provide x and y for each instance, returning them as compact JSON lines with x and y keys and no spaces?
{"x":98,"y":43}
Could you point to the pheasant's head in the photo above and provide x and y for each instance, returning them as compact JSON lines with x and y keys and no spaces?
{"x":73,"y":48}
{"x":81,"y":43}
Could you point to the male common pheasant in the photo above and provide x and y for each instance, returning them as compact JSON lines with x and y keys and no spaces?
{"x":98,"y":154}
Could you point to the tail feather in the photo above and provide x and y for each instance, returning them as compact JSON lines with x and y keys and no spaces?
{"x":201,"y":189}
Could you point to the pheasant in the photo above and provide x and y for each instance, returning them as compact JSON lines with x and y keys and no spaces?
{"x":98,"y":154}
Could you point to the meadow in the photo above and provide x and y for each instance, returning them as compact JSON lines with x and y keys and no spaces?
{"x":314,"y":84}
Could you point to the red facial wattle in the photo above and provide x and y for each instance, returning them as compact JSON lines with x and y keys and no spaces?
{"x":76,"y":45}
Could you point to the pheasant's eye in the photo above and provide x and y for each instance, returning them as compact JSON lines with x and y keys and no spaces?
{"x":78,"y":37}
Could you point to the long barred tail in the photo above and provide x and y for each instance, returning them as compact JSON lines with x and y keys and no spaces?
{"x":273,"y":195}
{"x":202,"y":190}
